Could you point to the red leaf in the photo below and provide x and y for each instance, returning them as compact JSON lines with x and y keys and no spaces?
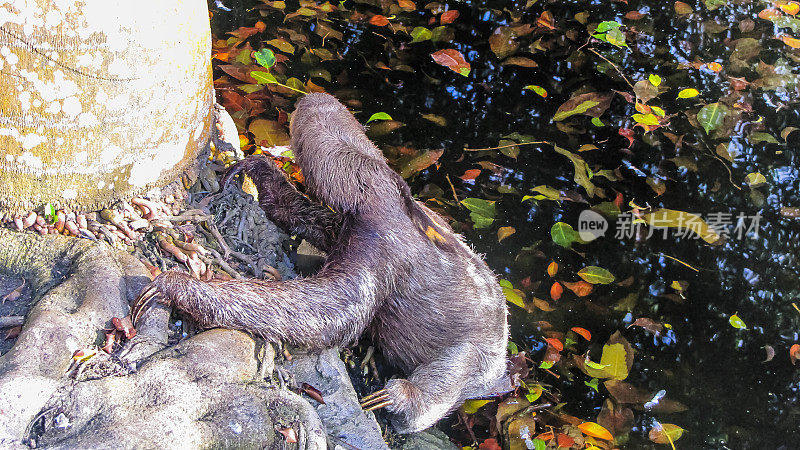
{"x":448,"y":16}
{"x":580,"y":288}
{"x":583,"y":332}
{"x":794,"y":353}
{"x":556,"y":290}
{"x":471,"y":174}
{"x":490,"y":444}
{"x":628,"y":133}
{"x":452,"y":59}
{"x":555,"y":343}
{"x":564,"y":440}
{"x":379,"y":20}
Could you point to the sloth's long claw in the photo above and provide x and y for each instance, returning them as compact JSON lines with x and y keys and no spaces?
{"x":376,"y":400}
{"x":143,"y":303}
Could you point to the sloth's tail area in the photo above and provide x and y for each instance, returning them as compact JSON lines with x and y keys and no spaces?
{"x":245,"y":165}
{"x":426,"y":221}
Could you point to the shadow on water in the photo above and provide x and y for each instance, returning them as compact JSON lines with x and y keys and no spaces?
{"x":735,"y":397}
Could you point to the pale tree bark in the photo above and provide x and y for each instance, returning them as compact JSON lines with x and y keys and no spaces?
{"x":100,"y":99}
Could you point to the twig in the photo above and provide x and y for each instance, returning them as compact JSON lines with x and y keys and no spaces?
{"x":613,"y":65}
{"x":458,"y":202}
{"x":505,"y":146}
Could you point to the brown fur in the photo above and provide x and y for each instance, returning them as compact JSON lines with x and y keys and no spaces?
{"x":394,"y":270}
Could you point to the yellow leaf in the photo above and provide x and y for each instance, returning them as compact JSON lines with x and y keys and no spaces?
{"x":668,"y":218}
{"x":595,"y":430}
{"x":614,"y":358}
{"x":505,"y":232}
{"x":665,"y":433}
{"x":688,"y":93}
{"x":790,"y":8}
{"x":472,"y":406}
{"x":790,"y":41}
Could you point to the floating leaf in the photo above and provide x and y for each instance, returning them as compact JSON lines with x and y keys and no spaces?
{"x":583,"y":332}
{"x":448,"y":16}
{"x":407,"y":5}
{"x":268,"y":133}
{"x":668,"y":218}
{"x":379,"y":116}
{"x":379,"y":20}
{"x":594,"y":430}
{"x":563,"y":234}
{"x":655,"y":80}
{"x":597,"y":122}
{"x":580,"y":288}
{"x":538,"y":89}
{"x":688,"y":93}
{"x":552,"y":269}
{"x":665,"y":433}
{"x":513,"y":296}
{"x":682,"y":8}
{"x":646,"y":119}
{"x":520,"y":61}
{"x":582,"y":172}
{"x":592,"y":104}
{"x":482,"y":212}
{"x":556,"y":290}
{"x":282,"y":45}
{"x":791,"y":8}
{"x":452,"y":59}
{"x":596,"y":275}
{"x":760,"y":136}
{"x":714,"y":66}
{"x":737,"y":322}
{"x":755,"y":179}
{"x":555,"y":343}
{"x":603,"y":27}
{"x":263,"y":77}
{"x":265,"y":57}
{"x":710,"y":117}
{"x":420,"y":34}
{"x":504,"y":232}
{"x":472,"y":406}
{"x":794,"y":353}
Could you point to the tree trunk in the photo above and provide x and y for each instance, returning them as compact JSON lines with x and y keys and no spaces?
{"x":102,"y":99}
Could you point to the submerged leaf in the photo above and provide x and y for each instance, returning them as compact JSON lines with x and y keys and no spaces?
{"x":710,"y":117}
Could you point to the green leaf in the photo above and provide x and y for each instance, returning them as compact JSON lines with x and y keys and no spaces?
{"x":616,"y":37}
{"x":579,"y":109}
{"x":760,"y":136}
{"x":379,"y":116}
{"x":655,"y":80}
{"x":602,"y":27}
{"x":597,"y":122}
{"x":669,"y":218}
{"x":688,"y":93}
{"x":265,"y":57}
{"x":563,"y":234}
{"x":420,"y":34}
{"x":737,"y":322}
{"x":659,"y":112}
{"x":263,"y":77}
{"x":538,"y":89}
{"x":596,"y":275}
{"x":592,"y":383}
{"x":583,"y":174}
{"x":710,"y":117}
{"x":482,"y":212}
{"x":539,"y":444}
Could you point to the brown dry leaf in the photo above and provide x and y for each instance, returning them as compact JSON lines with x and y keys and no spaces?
{"x":448,"y":16}
{"x":453,"y":60}
{"x":13,"y":295}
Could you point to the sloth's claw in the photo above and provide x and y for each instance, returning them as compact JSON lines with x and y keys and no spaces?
{"x":376,"y":400}
{"x":144,"y":302}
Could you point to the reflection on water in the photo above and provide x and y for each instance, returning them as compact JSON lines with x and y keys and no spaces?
{"x":735,"y":397}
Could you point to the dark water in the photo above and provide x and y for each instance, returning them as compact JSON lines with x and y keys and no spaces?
{"x":735,"y":399}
